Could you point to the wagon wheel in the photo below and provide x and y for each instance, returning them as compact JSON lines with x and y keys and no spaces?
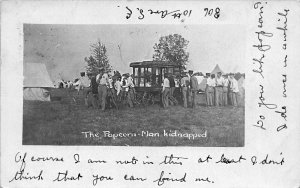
{"x":151,"y":99}
{"x":145,"y":99}
{"x":138,"y":99}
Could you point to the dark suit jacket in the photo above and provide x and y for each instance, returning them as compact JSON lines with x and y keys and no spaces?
{"x":194,"y":83}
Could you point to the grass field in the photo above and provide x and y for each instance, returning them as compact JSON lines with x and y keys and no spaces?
{"x":63,"y":123}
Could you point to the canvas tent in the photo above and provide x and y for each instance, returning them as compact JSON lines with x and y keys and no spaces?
{"x":37,"y":82}
{"x":216,"y":70}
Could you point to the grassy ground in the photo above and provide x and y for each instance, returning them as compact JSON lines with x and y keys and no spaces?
{"x":62,"y":123}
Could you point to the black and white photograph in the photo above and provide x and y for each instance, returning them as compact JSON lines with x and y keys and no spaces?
{"x":150,"y":94}
{"x":134,"y":85}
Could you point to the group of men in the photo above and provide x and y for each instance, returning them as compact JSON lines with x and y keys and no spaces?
{"x":111,"y":89}
{"x":189,"y":88}
{"x":221,"y":90}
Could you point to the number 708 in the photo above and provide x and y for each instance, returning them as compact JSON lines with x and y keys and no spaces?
{"x":215,"y":12}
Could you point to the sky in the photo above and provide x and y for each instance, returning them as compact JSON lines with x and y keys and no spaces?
{"x":63,"y":47}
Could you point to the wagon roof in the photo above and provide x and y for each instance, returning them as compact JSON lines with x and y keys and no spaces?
{"x":152,"y":64}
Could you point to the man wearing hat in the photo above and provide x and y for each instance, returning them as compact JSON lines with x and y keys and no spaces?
{"x":219,"y":89}
{"x":103,"y":83}
{"x":184,"y":82}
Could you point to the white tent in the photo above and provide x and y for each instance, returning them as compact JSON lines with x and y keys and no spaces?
{"x":37,"y":82}
{"x":216,"y":70}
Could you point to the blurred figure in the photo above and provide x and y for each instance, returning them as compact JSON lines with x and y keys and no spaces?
{"x":166,"y":91}
{"x":111,"y":93}
{"x":131,"y":91}
{"x":219,"y":90}
{"x":184,"y":82}
{"x":194,"y":89}
{"x":132,"y":87}
{"x":190,"y":72}
{"x":118,"y":88}
{"x":83,"y":84}
{"x":210,"y":88}
{"x":102,"y":80}
{"x":172,"y":85}
{"x":94,"y":85}
{"x":124,"y":89}
{"x":225,"y":90}
{"x":233,"y":90}
{"x":92,"y":94}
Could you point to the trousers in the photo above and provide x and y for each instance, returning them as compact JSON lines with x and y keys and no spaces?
{"x":184,"y":96}
{"x":225,"y":96}
{"x":210,"y":96}
{"x":233,"y":98}
{"x":165,"y":97}
{"x":130,"y":97}
{"x":102,"y":93}
{"x":218,"y":96}
{"x":194,"y":94}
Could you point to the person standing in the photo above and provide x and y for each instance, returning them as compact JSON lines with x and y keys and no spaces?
{"x":233,"y":90}
{"x":83,"y":84}
{"x":219,"y":89}
{"x":102,"y":80}
{"x":184,"y":82}
{"x":194,"y":90}
{"x":130,"y":93}
{"x":190,"y":72}
{"x":111,"y":94}
{"x":225,"y":90}
{"x":172,"y":85}
{"x":93,"y":92}
{"x":94,"y":85}
{"x":166,"y":91}
{"x":210,"y":90}
{"x":118,"y":88}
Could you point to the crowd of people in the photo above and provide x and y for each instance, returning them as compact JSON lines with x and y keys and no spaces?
{"x":108,"y":90}
{"x":220,"y":90}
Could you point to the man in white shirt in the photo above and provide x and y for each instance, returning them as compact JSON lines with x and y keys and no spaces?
{"x":84,"y":80}
{"x":102,"y":80}
{"x":130,"y":93}
{"x":166,"y":91}
{"x":233,"y":90}
{"x":219,"y":89}
{"x":83,"y":83}
{"x":118,"y":86}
